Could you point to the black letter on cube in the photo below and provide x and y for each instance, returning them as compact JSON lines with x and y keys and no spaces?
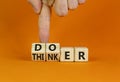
{"x":38,"y":47}
{"x":66,"y":55}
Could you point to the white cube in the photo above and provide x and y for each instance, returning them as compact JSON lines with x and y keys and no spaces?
{"x":67,"y":54}
{"x":81,"y":54}
{"x":52,"y":51}
{"x":38,"y":52}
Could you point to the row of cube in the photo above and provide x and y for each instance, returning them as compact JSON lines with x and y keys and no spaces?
{"x":53,"y":52}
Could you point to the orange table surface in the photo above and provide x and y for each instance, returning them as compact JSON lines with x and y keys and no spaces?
{"x":95,"y":25}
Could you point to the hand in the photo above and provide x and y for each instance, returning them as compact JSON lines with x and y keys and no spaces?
{"x":43,"y":8}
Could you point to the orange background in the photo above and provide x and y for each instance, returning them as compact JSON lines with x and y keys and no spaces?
{"x":95,"y":25}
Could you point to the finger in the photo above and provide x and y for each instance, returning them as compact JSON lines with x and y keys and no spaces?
{"x":72,"y":4}
{"x":48,"y":2}
{"x":61,"y":7}
{"x":44,"y":23}
{"x":81,"y":1}
{"x":36,"y":4}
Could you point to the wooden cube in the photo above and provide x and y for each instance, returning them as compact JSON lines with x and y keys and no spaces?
{"x":81,"y":54}
{"x":52,"y":51}
{"x":38,"y":52}
{"x":67,"y":54}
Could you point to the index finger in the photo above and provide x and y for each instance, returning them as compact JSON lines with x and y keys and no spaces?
{"x":44,"y":23}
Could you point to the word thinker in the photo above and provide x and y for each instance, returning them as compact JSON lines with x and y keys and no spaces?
{"x":53,"y":52}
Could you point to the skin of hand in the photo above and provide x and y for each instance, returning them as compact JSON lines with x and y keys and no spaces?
{"x":43,"y":9}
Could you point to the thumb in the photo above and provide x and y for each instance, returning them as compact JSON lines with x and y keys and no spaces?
{"x":36,"y":4}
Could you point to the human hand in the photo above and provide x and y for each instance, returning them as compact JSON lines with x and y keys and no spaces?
{"x":43,"y":8}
